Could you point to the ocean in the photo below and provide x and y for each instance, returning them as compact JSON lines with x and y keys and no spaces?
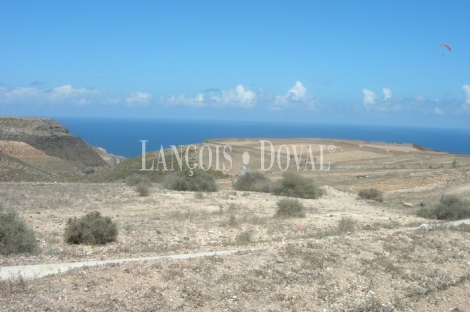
{"x":122,"y":136}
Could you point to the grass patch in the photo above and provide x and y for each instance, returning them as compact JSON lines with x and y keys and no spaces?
{"x":372,"y":193}
{"x":15,"y":235}
{"x":199,"y":181}
{"x":290,"y":208}
{"x":293,"y":184}
{"x":91,"y":229}
{"x":449,"y":207}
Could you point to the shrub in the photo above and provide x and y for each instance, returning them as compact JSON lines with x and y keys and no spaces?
{"x":290,"y":208}
{"x":91,"y":229}
{"x":293,"y":184}
{"x":449,"y":207}
{"x":346,"y":224}
{"x":137,"y":179}
{"x":371,"y":194}
{"x":142,"y":189}
{"x":15,"y":235}
{"x":200,"y":181}
{"x":255,"y":182}
{"x":232,"y":221}
{"x":244,"y":238}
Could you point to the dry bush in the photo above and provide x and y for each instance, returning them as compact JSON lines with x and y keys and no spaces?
{"x":199,"y":181}
{"x":293,"y":184}
{"x":254,"y":182}
{"x":372,"y":193}
{"x":290,"y":208}
{"x":244,"y":238}
{"x":347,"y":224}
{"x":15,"y":235}
{"x":142,"y":189}
{"x":449,"y":207}
{"x":91,"y":229}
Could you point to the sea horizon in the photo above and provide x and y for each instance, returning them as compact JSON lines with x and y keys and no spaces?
{"x":121,"y":136}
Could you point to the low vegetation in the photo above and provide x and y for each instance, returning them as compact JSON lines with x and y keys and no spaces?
{"x":199,"y":181}
{"x":15,"y":235}
{"x":449,"y":207}
{"x":137,"y":179}
{"x":142,"y":189}
{"x":91,"y":229}
{"x":254,"y":182}
{"x":290,"y":208}
{"x":293,"y":184}
{"x":372,"y":194}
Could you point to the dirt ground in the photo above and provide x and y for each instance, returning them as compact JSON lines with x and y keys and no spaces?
{"x":347,"y":254}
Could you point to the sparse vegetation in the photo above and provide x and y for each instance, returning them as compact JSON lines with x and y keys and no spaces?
{"x":199,"y":195}
{"x":253,"y":181}
{"x":371,"y":193}
{"x":293,"y":184}
{"x":232,"y":221}
{"x":347,"y":224}
{"x":91,"y":229}
{"x":449,"y":207}
{"x":15,"y":235}
{"x":199,"y":181}
{"x":137,"y":179}
{"x":290,"y":208}
{"x":142,"y":189}
{"x":244,"y":238}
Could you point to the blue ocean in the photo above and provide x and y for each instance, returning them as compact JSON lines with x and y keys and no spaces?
{"x":122,"y":136}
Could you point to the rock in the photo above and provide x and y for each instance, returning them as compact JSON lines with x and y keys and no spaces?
{"x":280,"y":260}
{"x":388,"y":309}
{"x":421,"y":290}
{"x":407,"y":204}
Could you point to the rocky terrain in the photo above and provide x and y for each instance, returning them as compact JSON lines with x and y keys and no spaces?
{"x":347,"y":254}
{"x":36,"y":149}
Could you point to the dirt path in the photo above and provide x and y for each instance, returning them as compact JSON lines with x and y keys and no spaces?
{"x":41,"y":270}
{"x":459,"y":189}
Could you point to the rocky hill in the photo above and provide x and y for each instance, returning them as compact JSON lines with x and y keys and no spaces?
{"x":51,"y":137}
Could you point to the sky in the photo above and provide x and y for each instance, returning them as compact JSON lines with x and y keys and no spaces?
{"x":349,"y":62}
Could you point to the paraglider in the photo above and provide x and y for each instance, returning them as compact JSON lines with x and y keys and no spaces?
{"x":446,"y":45}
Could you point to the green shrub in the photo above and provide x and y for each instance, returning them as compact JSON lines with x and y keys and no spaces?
{"x":255,"y":182}
{"x":91,"y":229}
{"x":449,"y":207}
{"x":142,"y":189}
{"x":371,"y":194}
{"x":200,"y":181}
{"x":293,"y":184}
{"x":137,"y":179}
{"x":290,"y":208}
{"x":15,"y":235}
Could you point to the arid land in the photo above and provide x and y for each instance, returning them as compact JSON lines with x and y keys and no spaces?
{"x":387,"y":261}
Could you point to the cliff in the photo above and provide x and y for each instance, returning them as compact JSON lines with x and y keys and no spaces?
{"x":51,"y":137}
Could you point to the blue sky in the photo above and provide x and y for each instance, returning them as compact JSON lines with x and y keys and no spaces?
{"x":354,"y":62}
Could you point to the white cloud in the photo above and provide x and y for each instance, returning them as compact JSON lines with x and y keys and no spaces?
{"x":240,"y":97}
{"x":33,"y":95}
{"x":420,"y":98}
{"x":138,"y":99}
{"x":369,"y":97}
{"x":387,"y":94}
{"x":295,"y":96}
{"x":438,"y":111}
{"x":466,"y":92}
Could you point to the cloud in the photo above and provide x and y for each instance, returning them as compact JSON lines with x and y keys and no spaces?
{"x":420,"y":98}
{"x":387,"y":94}
{"x":62,"y":94}
{"x":36,"y":83}
{"x":138,"y":99}
{"x":296,"y":96}
{"x":438,"y":111}
{"x":369,"y":97}
{"x":466,"y":92}
{"x":238,"y":97}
